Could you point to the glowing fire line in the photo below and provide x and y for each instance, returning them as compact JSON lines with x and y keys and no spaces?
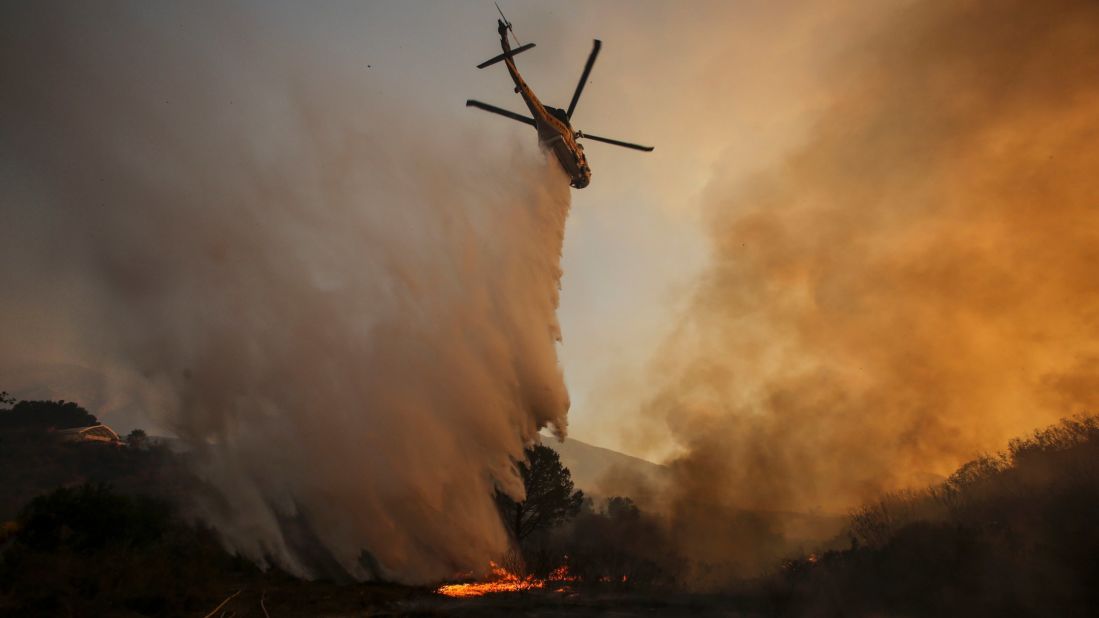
{"x":502,"y":580}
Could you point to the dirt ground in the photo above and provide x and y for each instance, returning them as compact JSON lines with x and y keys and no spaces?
{"x":337,"y":601}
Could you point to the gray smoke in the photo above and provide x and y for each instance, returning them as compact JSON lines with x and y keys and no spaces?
{"x":349,"y":318}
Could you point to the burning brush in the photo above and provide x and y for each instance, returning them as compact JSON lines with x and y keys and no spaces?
{"x":503,"y":580}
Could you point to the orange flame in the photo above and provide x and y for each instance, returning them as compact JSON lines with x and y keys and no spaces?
{"x":561,"y":574}
{"x":503,"y":580}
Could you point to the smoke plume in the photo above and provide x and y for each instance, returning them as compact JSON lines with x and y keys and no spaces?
{"x":916,"y":284}
{"x":349,"y":319}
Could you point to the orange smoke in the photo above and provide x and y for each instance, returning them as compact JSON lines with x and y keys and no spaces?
{"x":914,"y":286}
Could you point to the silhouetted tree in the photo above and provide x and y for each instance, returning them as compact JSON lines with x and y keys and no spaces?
{"x":621,"y":508}
{"x":137,"y":439}
{"x":614,"y":541}
{"x":550,"y":497}
{"x":46,"y":415}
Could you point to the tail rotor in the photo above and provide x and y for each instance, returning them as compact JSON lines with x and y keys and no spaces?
{"x":507,"y":23}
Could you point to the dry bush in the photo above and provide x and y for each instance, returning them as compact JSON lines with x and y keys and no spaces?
{"x":1012,"y":533}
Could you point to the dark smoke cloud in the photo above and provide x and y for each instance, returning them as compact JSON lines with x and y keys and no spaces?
{"x":348,"y":318}
{"x":915,"y":285}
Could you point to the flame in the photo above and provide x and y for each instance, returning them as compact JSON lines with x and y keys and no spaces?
{"x":561,"y":574}
{"x":503,"y":580}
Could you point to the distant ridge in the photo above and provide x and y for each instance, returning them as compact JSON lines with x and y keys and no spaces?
{"x":591,"y":465}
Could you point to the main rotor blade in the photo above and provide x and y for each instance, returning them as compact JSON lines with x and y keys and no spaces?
{"x":584,"y":77}
{"x":498,"y":110}
{"x":608,"y":140}
{"x":511,"y":54}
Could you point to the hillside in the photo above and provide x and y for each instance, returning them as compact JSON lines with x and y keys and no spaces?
{"x":592,"y":466}
{"x":1008,"y":534}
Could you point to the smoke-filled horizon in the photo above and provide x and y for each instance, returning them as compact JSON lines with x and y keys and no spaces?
{"x":911,"y":288}
{"x":349,"y":318}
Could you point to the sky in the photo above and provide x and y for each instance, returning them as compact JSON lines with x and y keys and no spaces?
{"x":722,"y":89}
{"x":719,"y":88}
{"x":715,"y":87}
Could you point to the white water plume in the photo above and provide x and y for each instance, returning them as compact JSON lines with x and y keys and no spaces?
{"x":349,"y":318}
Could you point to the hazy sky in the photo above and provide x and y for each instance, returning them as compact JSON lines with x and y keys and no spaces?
{"x":722,"y":89}
{"x":719,"y":88}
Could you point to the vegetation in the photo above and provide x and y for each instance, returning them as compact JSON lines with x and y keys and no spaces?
{"x":34,"y":461}
{"x":614,"y":542}
{"x":88,"y":550}
{"x":39,"y":415}
{"x":1012,"y":533}
{"x":90,"y":529}
{"x":91,"y":517}
{"x":137,"y":439}
{"x":550,"y":498}
{"x":556,"y":526}
{"x":91,"y":551}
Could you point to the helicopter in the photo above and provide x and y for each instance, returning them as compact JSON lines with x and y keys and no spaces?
{"x":553,"y":124}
